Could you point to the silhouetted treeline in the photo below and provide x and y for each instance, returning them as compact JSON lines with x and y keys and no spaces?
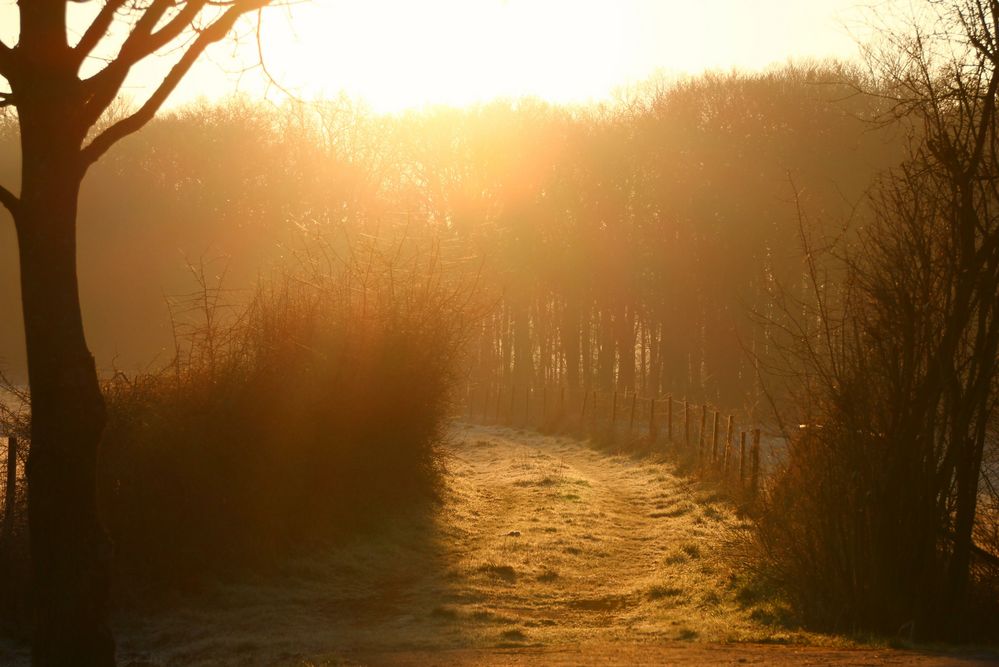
{"x":622,"y":246}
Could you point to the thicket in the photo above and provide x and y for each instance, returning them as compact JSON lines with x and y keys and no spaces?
{"x":314,"y":408}
{"x":298,"y":413}
{"x":884,"y":517}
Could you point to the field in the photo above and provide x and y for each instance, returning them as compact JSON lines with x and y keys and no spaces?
{"x":543,"y":550}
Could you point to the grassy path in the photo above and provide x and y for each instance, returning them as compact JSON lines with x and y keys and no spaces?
{"x":543,"y":552}
{"x":567,"y":544}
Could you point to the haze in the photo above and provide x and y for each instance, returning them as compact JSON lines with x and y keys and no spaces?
{"x":396,"y":54}
{"x":494,"y":332}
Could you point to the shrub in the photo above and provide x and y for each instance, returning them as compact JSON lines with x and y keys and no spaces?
{"x":873,"y":525}
{"x":314,"y":409}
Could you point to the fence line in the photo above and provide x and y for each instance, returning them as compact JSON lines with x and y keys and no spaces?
{"x":611,"y":415}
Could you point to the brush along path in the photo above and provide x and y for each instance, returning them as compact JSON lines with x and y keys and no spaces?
{"x":544,"y":551}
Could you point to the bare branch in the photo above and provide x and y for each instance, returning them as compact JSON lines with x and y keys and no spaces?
{"x":92,"y":37}
{"x":143,"y":42}
{"x":263,"y":61}
{"x":144,"y":26}
{"x":213,"y":33}
{"x":103,"y":87}
{"x":9,"y":200}
{"x":6,"y":59}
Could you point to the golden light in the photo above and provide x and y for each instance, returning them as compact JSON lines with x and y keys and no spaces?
{"x":404,"y":54}
{"x":398,"y":54}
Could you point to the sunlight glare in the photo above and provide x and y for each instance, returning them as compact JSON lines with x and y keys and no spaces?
{"x":403,"y":54}
{"x":397,"y":55}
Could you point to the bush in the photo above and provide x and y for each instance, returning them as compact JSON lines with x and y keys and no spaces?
{"x":315,"y":409}
{"x":875,"y":524}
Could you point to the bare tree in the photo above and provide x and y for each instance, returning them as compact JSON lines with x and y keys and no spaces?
{"x":58,"y":110}
{"x":872,"y":522}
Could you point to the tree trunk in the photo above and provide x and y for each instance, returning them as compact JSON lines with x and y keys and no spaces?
{"x":966,"y":502}
{"x":605,"y":351}
{"x":506,"y":343}
{"x":523,"y":362}
{"x":586,"y":347}
{"x":570,"y":343}
{"x":624,"y":325}
{"x":655,"y":360}
{"x":69,"y":550}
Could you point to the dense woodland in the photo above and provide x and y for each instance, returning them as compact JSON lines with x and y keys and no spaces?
{"x":623,"y":247}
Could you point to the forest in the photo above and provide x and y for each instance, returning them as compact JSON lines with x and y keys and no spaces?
{"x":659,"y":225}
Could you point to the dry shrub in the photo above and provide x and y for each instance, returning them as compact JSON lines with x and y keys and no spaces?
{"x":848,"y":540}
{"x":879,"y":523}
{"x":315,"y":409}
{"x":885,"y":387}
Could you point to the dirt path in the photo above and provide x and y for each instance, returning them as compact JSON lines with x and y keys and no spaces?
{"x":545,"y":552}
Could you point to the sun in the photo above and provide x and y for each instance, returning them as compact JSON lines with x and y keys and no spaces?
{"x":398,"y":54}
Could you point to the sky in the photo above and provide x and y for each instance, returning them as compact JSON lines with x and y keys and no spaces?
{"x":399,"y":54}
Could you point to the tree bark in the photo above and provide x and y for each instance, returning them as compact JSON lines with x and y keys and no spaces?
{"x":70,"y":551}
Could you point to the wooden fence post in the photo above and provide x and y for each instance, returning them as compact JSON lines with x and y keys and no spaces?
{"x":652,"y":420}
{"x":728,"y":445}
{"x":755,"y":481}
{"x":527,"y":405}
{"x":582,"y":411}
{"x":614,"y":411}
{"x":742,"y":459}
{"x":561,"y":402}
{"x":544,"y":404}
{"x":10,"y":492}
{"x":485,"y":402}
{"x":499,"y":400}
{"x":714,"y":439}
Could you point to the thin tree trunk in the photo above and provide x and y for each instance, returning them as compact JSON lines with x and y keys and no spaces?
{"x":506,"y":342}
{"x":655,"y":360}
{"x":523,"y":362}
{"x":570,"y":343}
{"x":605,"y":351}
{"x":624,"y":329}
{"x":586,"y":343}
